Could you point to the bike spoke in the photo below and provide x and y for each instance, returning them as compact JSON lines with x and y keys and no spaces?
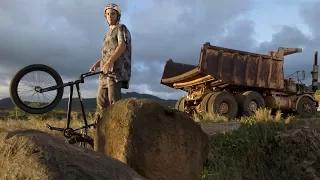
{"x":27,"y":89}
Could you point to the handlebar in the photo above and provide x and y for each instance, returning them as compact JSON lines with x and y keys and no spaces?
{"x":90,"y":74}
{"x":84,"y":75}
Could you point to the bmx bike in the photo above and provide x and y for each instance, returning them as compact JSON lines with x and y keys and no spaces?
{"x":38,"y":85}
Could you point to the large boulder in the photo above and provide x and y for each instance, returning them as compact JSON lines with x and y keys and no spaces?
{"x":155,"y":140}
{"x":33,"y":154}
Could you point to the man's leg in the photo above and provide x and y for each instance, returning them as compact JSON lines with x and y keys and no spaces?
{"x":114,"y":92}
{"x":106,"y":97}
{"x":102,"y":100}
{"x":102,"y":104}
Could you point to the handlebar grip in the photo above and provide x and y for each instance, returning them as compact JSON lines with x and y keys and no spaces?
{"x":90,"y":74}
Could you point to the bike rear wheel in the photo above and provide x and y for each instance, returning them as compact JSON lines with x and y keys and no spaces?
{"x":43,"y":77}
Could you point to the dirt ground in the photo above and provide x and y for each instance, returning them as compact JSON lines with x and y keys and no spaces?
{"x":312,"y":123}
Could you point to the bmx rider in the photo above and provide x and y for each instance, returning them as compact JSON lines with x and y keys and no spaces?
{"x":115,"y":60}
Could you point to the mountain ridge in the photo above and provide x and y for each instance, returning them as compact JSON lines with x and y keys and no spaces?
{"x":90,"y":103}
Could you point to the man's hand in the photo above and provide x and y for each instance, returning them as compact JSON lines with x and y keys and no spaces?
{"x":107,"y":67}
{"x":94,"y":67}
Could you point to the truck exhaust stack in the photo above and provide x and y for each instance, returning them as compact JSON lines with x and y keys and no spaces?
{"x":315,"y":73}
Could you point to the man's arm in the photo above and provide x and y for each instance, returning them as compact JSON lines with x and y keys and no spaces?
{"x":97,"y":64}
{"x":122,"y":37}
{"x":119,"y":50}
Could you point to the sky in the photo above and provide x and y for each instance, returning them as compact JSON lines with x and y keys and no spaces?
{"x":67,"y":35}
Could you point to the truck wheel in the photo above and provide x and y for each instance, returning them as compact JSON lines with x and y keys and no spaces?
{"x":224,"y":104}
{"x":306,"y":107}
{"x":251,"y":102}
{"x":204,"y":103}
{"x":179,"y":104}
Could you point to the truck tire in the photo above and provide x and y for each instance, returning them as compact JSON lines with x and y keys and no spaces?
{"x":224,"y":104}
{"x":306,"y":107}
{"x":204,"y":103}
{"x":250,"y":102}
{"x":179,"y":104}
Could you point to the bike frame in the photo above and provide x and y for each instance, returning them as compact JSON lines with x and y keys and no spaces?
{"x":71,"y":85}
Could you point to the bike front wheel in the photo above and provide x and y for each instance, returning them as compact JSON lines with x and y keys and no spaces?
{"x":25,"y":84}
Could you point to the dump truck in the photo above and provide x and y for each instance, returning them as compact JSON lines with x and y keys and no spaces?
{"x":235,"y":83}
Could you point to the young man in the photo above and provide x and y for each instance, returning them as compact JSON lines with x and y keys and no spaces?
{"x":115,"y":61}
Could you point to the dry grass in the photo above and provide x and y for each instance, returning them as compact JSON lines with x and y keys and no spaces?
{"x":214,"y":118}
{"x":15,"y":164}
{"x":13,"y":124}
{"x":264,"y":114}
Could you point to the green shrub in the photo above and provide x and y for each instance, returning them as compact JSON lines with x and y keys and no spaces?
{"x":317,"y":93}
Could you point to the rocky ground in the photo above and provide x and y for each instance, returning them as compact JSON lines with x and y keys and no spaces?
{"x":36,"y":155}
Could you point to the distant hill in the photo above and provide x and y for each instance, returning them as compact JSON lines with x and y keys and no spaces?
{"x":90,"y":103}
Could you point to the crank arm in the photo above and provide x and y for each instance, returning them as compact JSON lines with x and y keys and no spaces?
{"x":54,"y":128}
{"x":90,"y":125}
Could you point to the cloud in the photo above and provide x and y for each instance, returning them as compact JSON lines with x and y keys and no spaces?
{"x":176,"y":29}
{"x":67,"y":36}
{"x":292,"y":37}
{"x":309,"y":14}
{"x":240,"y":36}
{"x":64,"y":35}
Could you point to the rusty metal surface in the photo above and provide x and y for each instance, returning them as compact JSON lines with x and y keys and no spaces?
{"x":279,"y":102}
{"x":240,"y":68}
{"x":179,"y":73}
{"x":232,"y":67}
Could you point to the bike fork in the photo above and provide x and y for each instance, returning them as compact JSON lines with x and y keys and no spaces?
{"x":69,"y":106}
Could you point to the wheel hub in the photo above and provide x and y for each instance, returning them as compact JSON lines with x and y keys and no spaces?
{"x":253,"y":106}
{"x":224,"y":108}
{"x":307,"y":108}
{"x":37,"y":89}
{"x":68,"y":132}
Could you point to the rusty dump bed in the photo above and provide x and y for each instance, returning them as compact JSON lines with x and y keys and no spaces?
{"x":221,"y":67}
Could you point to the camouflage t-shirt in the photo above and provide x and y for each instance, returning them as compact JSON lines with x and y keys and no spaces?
{"x":122,"y":67}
